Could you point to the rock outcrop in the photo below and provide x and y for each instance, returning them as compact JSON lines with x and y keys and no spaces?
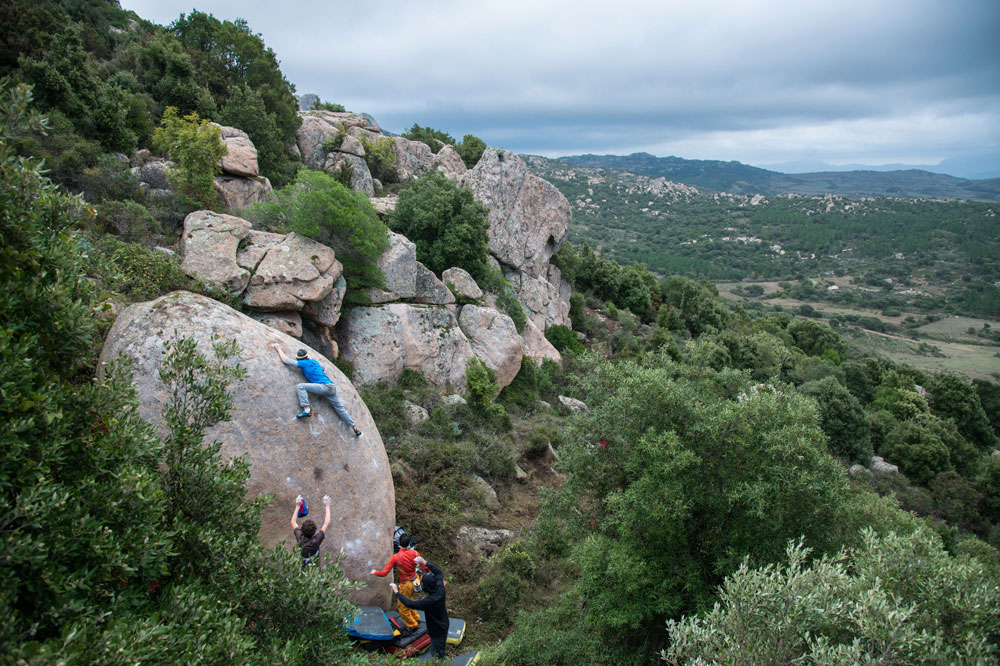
{"x":494,"y":340}
{"x":406,"y":278}
{"x":209,"y":247}
{"x":313,"y":457}
{"x":382,"y":341}
{"x":463,"y":283}
{"x":448,"y":162}
{"x":292,"y":272}
{"x":237,"y":193}
{"x":528,"y":216}
{"x":241,"y":155}
{"x":413,"y":158}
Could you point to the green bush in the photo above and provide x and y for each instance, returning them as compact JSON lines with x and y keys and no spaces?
{"x":196,"y":148}
{"x":446,"y":222}
{"x":522,"y":392}
{"x":509,"y":575}
{"x":319,"y":207}
{"x":436,"y":139}
{"x":899,"y":595}
{"x":471,"y":149}
{"x":380,"y":156}
{"x":483,"y":389}
{"x":563,"y":339}
{"x":918,"y":450}
{"x":842,"y":419}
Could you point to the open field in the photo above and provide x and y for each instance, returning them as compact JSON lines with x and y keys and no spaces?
{"x":956,"y":327}
{"x":977,"y":361}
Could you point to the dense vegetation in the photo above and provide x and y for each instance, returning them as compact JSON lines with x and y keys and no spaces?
{"x":738,"y":178}
{"x":928,"y":256}
{"x":121,"y":545}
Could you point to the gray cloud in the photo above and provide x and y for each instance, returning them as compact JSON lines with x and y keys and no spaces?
{"x":842,"y":80}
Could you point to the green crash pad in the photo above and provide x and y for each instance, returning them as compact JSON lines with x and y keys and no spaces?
{"x":456,"y":628}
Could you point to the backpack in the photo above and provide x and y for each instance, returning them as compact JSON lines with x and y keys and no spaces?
{"x":399,"y":531}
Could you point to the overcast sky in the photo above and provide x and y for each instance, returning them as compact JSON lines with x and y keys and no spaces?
{"x":845,"y":81}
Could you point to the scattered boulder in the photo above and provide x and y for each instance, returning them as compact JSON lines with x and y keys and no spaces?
{"x":485,"y":542}
{"x":413,"y":158}
{"x":519,"y":473}
{"x":317,"y":126}
{"x":381,"y":341}
{"x":489,"y":495}
{"x":399,"y":266}
{"x":880,"y":466}
{"x":545,"y":298}
{"x":287,"y":457}
{"x":465,"y":286}
{"x":209,"y":247}
{"x":448,"y":162}
{"x":237,"y":193}
{"x":572,"y":404}
{"x":528,"y":216}
{"x":327,"y":310}
{"x":536,"y":346}
{"x":428,"y":289}
{"x":494,"y":341}
{"x":289,"y":323}
{"x":414,"y":413}
{"x":385,"y":205}
{"x":241,"y":155}
{"x":856,"y":471}
{"x":452,"y":400}
{"x":361,"y":177}
{"x":154,"y":174}
{"x":293,"y":271}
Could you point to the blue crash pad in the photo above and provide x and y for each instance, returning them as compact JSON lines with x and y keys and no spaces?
{"x":370,"y":624}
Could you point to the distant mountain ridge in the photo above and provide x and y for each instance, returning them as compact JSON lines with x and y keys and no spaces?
{"x":738,"y":178}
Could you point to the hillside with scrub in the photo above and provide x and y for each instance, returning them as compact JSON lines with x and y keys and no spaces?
{"x":612,"y":459}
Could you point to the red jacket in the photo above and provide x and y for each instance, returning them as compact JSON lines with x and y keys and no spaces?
{"x":403,"y":560}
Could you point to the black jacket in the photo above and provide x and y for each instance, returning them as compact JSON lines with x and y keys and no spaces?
{"x":433,"y":605}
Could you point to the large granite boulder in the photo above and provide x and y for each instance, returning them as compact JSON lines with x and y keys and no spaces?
{"x":546,"y":298}
{"x":406,"y":278}
{"x":448,"y":162}
{"x":413,"y":158}
{"x":209,"y":247}
{"x":382,"y":341}
{"x":536,"y":346}
{"x":287,"y":457}
{"x":154,"y":174}
{"x":327,"y":310}
{"x":494,"y":341}
{"x":293,"y":271}
{"x":241,"y":155}
{"x":464,"y":284}
{"x":237,"y":192}
{"x":528,"y":216}
{"x":361,"y":177}
{"x":317,"y":126}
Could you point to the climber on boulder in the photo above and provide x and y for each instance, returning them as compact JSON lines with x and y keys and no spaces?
{"x":318,"y":384}
{"x":308,"y":537}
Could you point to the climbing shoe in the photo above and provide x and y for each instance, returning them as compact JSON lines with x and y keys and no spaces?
{"x":357,"y":433}
{"x":304,"y":414}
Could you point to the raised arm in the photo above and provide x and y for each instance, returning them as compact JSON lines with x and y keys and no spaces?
{"x":281,"y":355}
{"x":326,"y":518}
{"x":295,"y":512}
{"x":388,"y":568}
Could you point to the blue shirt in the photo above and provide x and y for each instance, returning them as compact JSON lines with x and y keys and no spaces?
{"x":313,"y":371}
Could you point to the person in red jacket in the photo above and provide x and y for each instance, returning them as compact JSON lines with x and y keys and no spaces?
{"x":404,"y":561}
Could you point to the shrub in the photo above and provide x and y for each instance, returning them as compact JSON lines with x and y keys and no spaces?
{"x":483,"y":388}
{"x":380,"y":156}
{"x":196,"y":148}
{"x":563,"y":339}
{"x":128,"y":220}
{"x":471,"y":149}
{"x":432,"y":137}
{"x":447,"y":224}
{"x":510,"y":573}
{"x":523,"y":391}
{"x":842,"y":419}
{"x":319,"y":207}
{"x":899,"y":595}
{"x":918,"y":451}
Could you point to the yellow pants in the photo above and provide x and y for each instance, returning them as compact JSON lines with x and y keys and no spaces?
{"x":409,"y":615}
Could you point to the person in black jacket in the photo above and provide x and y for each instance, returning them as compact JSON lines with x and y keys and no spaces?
{"x":433,"y":606}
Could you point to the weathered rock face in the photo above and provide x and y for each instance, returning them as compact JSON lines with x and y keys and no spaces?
{"x":494,"y":340}
{"x":545,"y":298}
{"x":292,"y":272}
{"x":448,"y":162}
{"x":406,"y":278}
{"x":241,"y":155}
{"x":413,"y":158}
{"x":361,"y":177}
{"x":465,"y":286}
{"x":327,"y":310}
{"x":384,"y":340}
{"x":237,"y":193}
{"x":313,"y":457}
{"x":528,"y":216}
{"x":209,"y":248}
{"x":536,"y":346}
{"x":319,"y":125}
{"x":289,"y":323}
